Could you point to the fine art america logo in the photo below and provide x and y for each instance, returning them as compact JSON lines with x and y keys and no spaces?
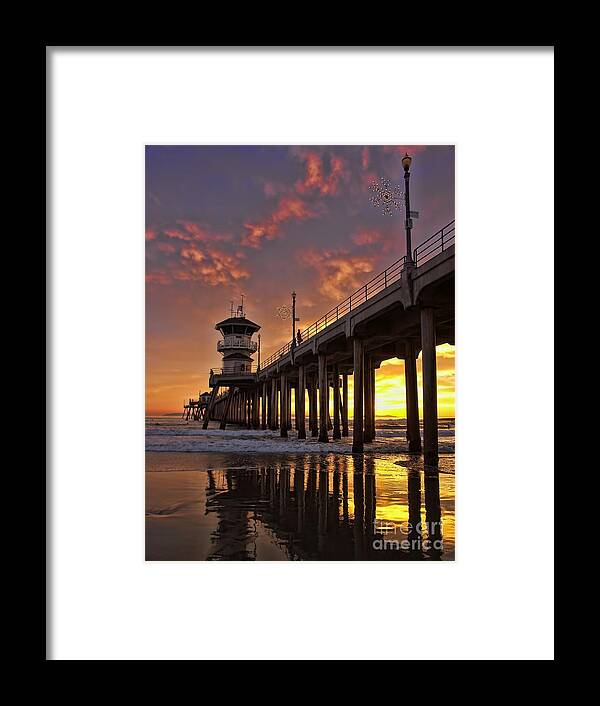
{"x":407,"y":536}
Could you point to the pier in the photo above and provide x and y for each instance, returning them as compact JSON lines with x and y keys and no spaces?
{"x":196,"y":409}
{"x":405,"y":310}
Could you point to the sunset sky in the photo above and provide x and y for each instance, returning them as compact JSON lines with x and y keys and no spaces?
{"x":263,"y":221}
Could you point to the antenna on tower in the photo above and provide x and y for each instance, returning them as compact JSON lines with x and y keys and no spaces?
{"x":231,"y":310}
{"x":240,"y":309}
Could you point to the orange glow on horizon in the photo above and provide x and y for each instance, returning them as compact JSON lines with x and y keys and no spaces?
{"x":166,"y":395}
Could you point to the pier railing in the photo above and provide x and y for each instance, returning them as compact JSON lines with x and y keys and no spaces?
{"x":435,"y":244}
{"x":247,"y":370}
{"x":383,"y":280}
{"x":246,"y":345}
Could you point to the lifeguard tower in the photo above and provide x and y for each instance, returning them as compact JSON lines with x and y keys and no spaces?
{"x":237,"y":349}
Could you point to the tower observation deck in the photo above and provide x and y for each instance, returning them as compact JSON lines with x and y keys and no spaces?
{"x":237,"y":349}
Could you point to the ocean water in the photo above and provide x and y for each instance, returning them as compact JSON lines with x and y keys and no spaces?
{"x":175,"y":434}
{"x":246,"y":495}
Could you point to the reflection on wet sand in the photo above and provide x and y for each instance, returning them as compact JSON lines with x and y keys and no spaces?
{"x":333,"y":508}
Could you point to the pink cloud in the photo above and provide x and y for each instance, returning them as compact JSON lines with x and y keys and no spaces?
{"x":198,"y":257}
{"x":338,"y":272}
{"x":177,"y":234}
{"x":365,"y":157}
{"x":209,"y":264}
{"x":366,"y":237}
{"x":202,"y":233}
{"x":288,"y":208}
{"x":157,"y":278}
{"x":315,"y":178}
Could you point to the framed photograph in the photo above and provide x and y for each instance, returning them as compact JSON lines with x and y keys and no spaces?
{"x":300,"y":353}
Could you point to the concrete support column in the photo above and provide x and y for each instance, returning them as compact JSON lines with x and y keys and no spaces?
{"x":413,"y":431}
{"x":225,"y":417}
{"x":295,"y":391}
{"x":272,"y":402}
{"x":337,"y":432}
{"x":256,"y":408}
{"x":323,"y":399}
{"x":284,"y":405}
{"x":430,"y":418}
{"x":345,"y":404}
{"x":209,"y":409}
{"x":359,"y":370}
{"x":263,"y":411}
{"x":373,"y":410}
{"x":300,"y":404}
{"x":273,"y":422}
{"x":314,"y":422}
{"x":368,"y":400}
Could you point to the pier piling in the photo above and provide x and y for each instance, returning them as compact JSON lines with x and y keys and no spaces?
{"x":323,"y":399}
{"x":357,"y":424}
{"x":368,"y":400}
{"x":337,"y":432}
{"x":344,"y":406}
{"x":314,"y":424}
{"x":284,"y":405}
{"x":301,"y":402}
{"x":430,"y":417}
{"x":413,"y":431}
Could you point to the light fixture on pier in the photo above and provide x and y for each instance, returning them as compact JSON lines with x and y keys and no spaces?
{"x":387,"y":197}
{"x":391,"y":199}
{"x":295,"y":319}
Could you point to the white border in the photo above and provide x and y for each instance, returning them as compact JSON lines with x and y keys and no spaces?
{"x":495,"y":601}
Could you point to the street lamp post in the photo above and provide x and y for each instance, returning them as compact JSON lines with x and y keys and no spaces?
{"x":389,"y":198}
{"x":258,"y":353}
{"x":294,"y":319}
{"x":406,"y":161}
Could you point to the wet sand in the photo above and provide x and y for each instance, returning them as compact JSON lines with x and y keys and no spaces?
{"x":209,"y":506}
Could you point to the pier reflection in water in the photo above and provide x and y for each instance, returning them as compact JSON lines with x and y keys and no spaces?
{"x":330,"y":508}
